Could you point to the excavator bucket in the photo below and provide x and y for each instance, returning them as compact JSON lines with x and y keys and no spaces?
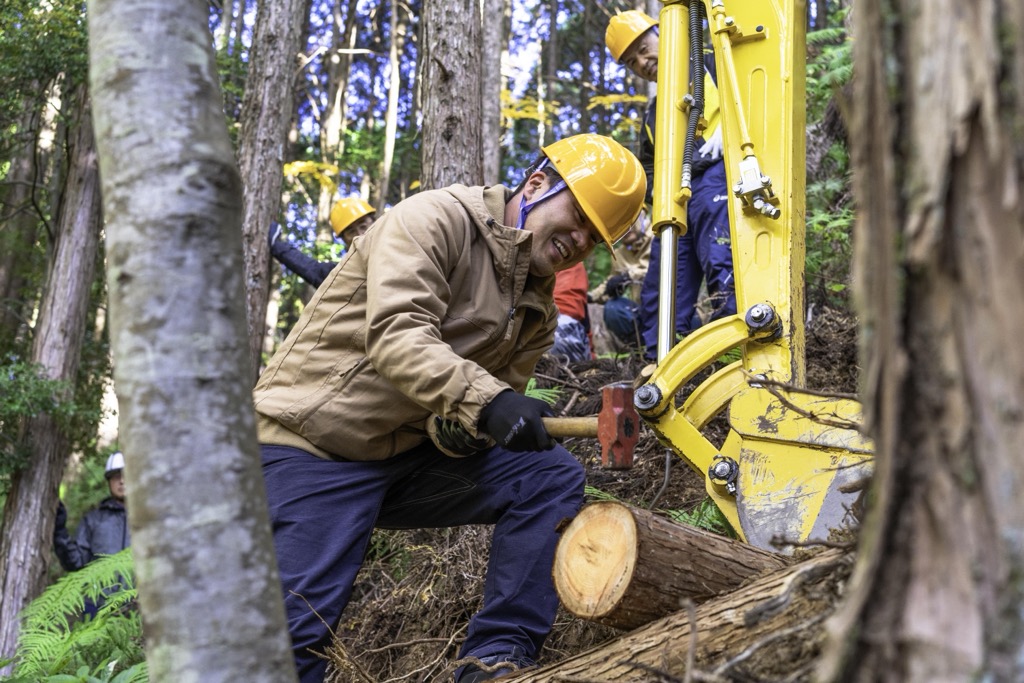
{"x":802,"y":462}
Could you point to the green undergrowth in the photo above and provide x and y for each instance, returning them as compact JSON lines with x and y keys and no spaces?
{"x":57,"y":645}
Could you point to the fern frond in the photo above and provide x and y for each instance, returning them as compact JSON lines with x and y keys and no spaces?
{"x":706,"y":515}
{"x":550,"y":396}
{"x":51,"y":643}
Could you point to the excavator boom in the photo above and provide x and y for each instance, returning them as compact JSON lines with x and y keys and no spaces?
{"x":789,"y":467}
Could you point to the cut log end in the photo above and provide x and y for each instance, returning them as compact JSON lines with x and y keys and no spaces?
{"x":624,"y":567}
{"x":595,"y":560}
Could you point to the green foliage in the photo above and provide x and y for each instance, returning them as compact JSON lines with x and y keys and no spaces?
{"x":829,"y":65}
{"x":390,"y":548}
{"x":593,"y":494}
{"x":598,"y":265}
{"x":549,"y":395}
{"x":39,"y":42}
{"x":705,"y":515}
{"x":830,"y":221}
{"x":232,"y":70}
{"x":730,"y":356}
{"x":25,"y":391}
{"x":830,"y":214}
{"x":54,"y":646}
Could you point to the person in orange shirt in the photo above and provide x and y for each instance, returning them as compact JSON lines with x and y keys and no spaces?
{"x":572,"y":336}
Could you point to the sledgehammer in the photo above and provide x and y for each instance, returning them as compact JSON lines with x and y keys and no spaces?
{"x":617,"y":426}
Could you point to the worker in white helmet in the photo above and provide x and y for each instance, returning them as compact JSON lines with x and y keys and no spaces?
{"x":102,"y":531}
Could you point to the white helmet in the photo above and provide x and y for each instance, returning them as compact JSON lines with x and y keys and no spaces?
{"x":115,"y":463}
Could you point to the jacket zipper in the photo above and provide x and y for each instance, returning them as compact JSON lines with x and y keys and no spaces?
{"x":511,"y":323}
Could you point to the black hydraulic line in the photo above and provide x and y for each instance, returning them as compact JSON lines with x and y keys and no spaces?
{"x":697,"y":68}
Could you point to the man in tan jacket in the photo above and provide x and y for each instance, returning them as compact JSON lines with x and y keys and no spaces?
{"x":395,"y":401}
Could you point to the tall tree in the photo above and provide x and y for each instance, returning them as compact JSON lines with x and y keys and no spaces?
{"x":208,"y":586}
{"x":937,"y":592}
{"x":450,"y":86}
{"x":20,"y":220}
{"x":495,"y":49}
{"x":267,"y":110}
{"x":26,"y":534}
{"x":333,"y":122}
{"x":547,"y":78}
{"x":397,"y":34}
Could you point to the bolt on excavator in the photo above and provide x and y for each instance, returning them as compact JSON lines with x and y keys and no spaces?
{"x":788,"y":470}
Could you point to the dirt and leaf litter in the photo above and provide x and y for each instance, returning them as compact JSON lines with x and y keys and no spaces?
{"x":418,"y":589}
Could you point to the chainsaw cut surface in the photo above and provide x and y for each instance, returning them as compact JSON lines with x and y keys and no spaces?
{"x":595,"y":560}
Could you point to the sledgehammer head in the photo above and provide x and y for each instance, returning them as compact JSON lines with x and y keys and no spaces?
{"x":618,"y":426}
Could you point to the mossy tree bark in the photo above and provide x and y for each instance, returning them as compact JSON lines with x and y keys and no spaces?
{"x":26,"y":535}
{"x":209,"y":590}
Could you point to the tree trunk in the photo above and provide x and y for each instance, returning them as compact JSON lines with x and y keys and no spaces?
{"x":743,"y":629}
{"x":491,"y":84}
{"x":625,"y":567}
{"x":26,"y":535}
{"x":940,"y":267}
{"x":452,"y":53}
{"x":266,"y":115}
{"x":209,"y":590}
{"x":397,"y":32}
{"x":333,"y":122}
{"x":20,"y":221}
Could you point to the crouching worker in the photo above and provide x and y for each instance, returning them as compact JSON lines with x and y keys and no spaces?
{"x":415,"y":349}
{"x":619,"y":295}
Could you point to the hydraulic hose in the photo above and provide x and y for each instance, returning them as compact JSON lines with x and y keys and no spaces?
{"x":697,"y":70}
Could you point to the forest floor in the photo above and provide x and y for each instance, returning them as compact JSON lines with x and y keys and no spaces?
{"x":418,"y":589}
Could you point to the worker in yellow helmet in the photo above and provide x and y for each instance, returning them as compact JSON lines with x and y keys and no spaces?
{"x":397,"y":400}
{"x":350,"y":218}
{"x":705,"y":251}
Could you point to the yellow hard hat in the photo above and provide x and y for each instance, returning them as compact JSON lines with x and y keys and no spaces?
{"x":624,"y":28}
{"x":347,"y":211}
{"x":606,"y":179}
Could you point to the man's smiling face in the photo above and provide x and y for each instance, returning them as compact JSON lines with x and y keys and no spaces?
{"x":642,"y":56}
{"x":562,"y":234}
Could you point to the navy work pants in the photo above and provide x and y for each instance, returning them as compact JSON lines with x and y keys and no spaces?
{"x":703,"y":253}
{"x":323,"y":513}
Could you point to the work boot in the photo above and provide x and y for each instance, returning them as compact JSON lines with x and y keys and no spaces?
{"x":502,"y":664}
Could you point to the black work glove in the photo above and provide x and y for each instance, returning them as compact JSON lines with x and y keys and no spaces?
{"x":274,"y":233}
{"x":616,"y":284}
{"x":62,"y":515}
{"x":515,"y":422}
{"x":453,"y":439}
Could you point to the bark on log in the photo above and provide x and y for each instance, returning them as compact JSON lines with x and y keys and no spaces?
{"x":777,"y":617}
{"x":625,"y":567}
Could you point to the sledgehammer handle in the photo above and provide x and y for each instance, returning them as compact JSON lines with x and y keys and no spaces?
{"x":571,"y":426}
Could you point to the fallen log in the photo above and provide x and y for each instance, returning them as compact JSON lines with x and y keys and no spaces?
{"x":625,"y":567}
{"x":775,"y":618}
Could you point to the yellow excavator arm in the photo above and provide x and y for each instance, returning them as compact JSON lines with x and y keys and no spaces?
{"x":789,"y":467}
